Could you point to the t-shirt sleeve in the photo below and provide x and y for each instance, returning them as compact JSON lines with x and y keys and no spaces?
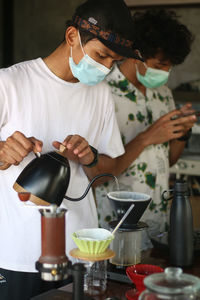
{"x":110,"y":141}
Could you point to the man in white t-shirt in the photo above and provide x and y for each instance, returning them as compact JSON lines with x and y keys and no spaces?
{"x":54,"y":100}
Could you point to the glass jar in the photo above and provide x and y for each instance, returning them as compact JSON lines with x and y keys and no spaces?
{"x":95,"y":278}
{"x":127,"y":244}
{"x":173,"y":284}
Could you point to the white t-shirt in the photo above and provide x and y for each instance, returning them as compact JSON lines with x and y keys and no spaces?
{"x":37,"y":103}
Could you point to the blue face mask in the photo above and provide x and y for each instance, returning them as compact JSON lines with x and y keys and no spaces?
{"x":88,"y":71}
{"x":153,"y":77}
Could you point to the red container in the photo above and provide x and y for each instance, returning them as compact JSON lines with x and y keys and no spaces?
{"x":132,"y":294}
{"x":137,"y":273}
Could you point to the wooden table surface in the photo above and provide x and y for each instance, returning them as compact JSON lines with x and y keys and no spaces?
{"x":114,"y":289}
{"x":154,"y":257}
{"x":161,"y":258}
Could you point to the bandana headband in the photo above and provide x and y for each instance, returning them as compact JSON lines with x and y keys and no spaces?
{"x":97,"y":31}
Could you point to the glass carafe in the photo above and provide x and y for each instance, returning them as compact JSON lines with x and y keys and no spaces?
{"x":173,"y":284}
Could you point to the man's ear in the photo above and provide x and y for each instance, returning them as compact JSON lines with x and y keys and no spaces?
{"x":71,"y":36}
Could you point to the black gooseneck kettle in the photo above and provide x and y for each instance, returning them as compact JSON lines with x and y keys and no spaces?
{"x":47,"y":178}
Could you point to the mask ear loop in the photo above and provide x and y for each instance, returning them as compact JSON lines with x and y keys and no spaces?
{"x":140,"y":55}
{"x":136,"y":67}
{"x":80,"y":45}
{"x":145,"y":65}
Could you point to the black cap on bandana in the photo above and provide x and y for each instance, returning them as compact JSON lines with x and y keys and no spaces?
{"x":110,"y":21}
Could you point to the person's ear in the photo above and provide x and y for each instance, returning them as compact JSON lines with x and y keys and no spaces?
{"x":71,"y":36}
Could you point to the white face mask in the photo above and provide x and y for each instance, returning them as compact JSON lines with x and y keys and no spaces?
{"x":87,"y":71}
{"x":153,"y":77}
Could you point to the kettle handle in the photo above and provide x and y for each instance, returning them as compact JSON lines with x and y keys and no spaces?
{"x":89,"y":185}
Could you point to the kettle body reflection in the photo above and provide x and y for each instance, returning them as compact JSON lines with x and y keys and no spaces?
{"x":47,"y":178}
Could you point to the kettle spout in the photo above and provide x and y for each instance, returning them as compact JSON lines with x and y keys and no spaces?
{"x":89,"y":186}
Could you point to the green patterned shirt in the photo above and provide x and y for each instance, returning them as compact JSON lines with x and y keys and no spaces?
{"x":150,"y":171}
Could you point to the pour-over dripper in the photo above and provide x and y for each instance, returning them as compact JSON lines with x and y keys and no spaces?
{"x":122,"y":200}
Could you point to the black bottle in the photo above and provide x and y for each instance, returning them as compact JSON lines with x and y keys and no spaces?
{"x":181,"y":227}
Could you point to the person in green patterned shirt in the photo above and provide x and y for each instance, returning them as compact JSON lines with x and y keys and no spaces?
{"x":153,"y":138}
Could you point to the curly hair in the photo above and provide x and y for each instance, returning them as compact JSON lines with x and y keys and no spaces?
{"x":158,"y":31}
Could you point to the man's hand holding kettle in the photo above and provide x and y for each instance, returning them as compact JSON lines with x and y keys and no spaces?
{"x":16,"y":148}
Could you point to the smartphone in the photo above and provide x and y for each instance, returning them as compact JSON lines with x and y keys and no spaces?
{"x":196,"y":113}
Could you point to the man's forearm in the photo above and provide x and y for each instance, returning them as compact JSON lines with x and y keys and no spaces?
{"x":105,"y":164}
{"x":117,"y":165}
{"x":176,"y":149}
{"x":132,"y":150}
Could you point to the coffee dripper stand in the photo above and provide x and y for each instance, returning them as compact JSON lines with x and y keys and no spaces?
{"x":95,"y":279}
{"x":127,"y":242}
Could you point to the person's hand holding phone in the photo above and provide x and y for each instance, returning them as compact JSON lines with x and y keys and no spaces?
{"x":172,"y":125}
{"x":187,"y":111}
